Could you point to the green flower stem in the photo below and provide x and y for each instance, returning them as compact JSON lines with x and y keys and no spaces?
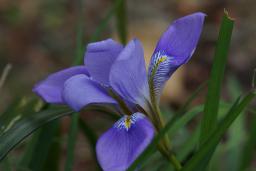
{"x":175,"y":161}
{"x":165,"y":144}
{"x":170,"y":156}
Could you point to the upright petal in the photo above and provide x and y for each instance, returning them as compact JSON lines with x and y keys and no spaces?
{"x":99,"y":58}
{"x":128,"y":74}
{"x":181,"y":37}
{"x":50,"y":89}
{"x":174,"y":48}
{"x":81,"y":90}
{"x":121,"y":145}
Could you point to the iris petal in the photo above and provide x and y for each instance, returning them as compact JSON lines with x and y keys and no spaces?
{"x":128,"y":74}
{"x":99,"y":58}
{"x":120,"y":145}
{"x":181,"y":38}
{"x":50,"y":89}
{"x":81,"y":90}
{"x":160,"y":70}
{"x":175,"y":47}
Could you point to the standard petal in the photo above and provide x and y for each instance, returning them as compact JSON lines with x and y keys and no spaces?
{"x":81,"y":90}
{"x":128,"y":75}
{"x":50,"y":89}
{"x":181,"y":37}
{"x":120,"y":145}
{"x":99,"y":58}
{"x":174,"y":48}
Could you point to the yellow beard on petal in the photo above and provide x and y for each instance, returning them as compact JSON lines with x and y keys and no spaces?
{"x":162,"y":59}
{"x":127,"y":122}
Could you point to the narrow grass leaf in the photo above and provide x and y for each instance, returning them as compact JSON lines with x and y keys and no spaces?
{"x":53,"y":158}
{"x":39,"y":150}
{"x":100,"y":28}
{"x":73,"y":129}
{"x":91,"y":136}
{"x":187,"y":103}
{"x":189,"y":146}
{"x":194,"y":95}
{"x":121,"y":21}
{"x":14,"y":131}
{"x":79,"y":51}
{"x":209,"y":119}
{"x":248,"y":152}
{"x":201,"y":159}
{"x":36,"y":153}
{"x":182,"y":121}
{"x":72,"y":135}
{"x":237,"y":132}
{"x":89,"y":133}
{"x":105,"y":21}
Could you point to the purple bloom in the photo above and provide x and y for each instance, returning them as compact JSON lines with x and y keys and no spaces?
{"x":114,"y":74}
{"x":119,"y":146}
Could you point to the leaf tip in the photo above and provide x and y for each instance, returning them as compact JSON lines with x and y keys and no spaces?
{"x":227,"y":15}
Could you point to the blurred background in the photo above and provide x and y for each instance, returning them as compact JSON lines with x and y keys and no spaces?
{"x":38,"y":37}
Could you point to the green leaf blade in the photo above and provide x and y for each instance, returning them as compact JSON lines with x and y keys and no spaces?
{"x":38,"y":150}
{"x":201,"y":158}
{"x":247,"y":155}
{"x":18,"y":129}
{"x":168,"y":127}
{"x":121,"y":21}
{"x":209,"y":120}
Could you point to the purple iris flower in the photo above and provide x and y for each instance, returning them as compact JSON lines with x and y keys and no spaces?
{"x":117,"y":75}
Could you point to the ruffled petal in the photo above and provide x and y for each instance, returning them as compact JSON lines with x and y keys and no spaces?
{"x":50,"y":89}
{"x":121,"y":145}
{"x":174,"y":48}
{"x":128,"y":75}
{"x":81,"y":90}
{"x":99,"y":58}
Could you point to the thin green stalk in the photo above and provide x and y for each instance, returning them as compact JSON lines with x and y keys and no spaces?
{"x":152,"y":147}
{"x":53,"y":158}
{"x":73,"y":130}
{"x":187,"y":103}
{"x":72,"y":135}
{"x":248,"y":152}
{"x":91,"y":137}
{"x":121,"y":21}
{"x":102,"y":25}
{"x":105,"y":21}
{"x":165,"y":145}
{"x":166,"y":142}
{"x":201,"y":159}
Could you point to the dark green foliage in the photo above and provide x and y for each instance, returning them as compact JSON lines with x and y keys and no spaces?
{"x":209,"y":120}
